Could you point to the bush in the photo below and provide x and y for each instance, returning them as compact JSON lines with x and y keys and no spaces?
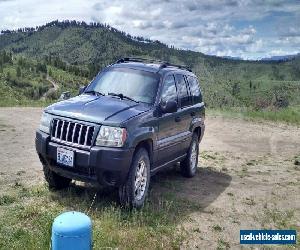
{"x":261,"y":103}
{"x":52,"y":94}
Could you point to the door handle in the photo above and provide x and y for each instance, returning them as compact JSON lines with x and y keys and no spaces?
{"x":177,"y":119}
{"x":193,"y":113}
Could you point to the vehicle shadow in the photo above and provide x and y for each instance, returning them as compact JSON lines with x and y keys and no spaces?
{"x":169,"y":194}
{"x":201,"y":190}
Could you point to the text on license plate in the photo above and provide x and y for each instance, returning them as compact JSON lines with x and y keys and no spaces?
{"x":65,"y":157}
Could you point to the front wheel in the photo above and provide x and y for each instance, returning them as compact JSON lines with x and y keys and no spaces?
{"x":134,"y":191}
{"x":188,"y":166}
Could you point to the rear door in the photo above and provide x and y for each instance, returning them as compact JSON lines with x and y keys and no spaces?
{"x":198,"y":109}
{"x":168,"y":141}
{"x":184,"y":112}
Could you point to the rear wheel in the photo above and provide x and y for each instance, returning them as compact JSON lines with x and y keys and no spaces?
{"x":54,"y":180}
{"x":134,"y":191}
{"x":188,"y":166}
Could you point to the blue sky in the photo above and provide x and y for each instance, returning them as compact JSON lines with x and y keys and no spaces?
{"x":250,"y":29}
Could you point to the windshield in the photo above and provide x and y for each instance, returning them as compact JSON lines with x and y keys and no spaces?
{"x":138,"y":85}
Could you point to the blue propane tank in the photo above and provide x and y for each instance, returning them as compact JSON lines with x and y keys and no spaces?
{"x":72,"y":230}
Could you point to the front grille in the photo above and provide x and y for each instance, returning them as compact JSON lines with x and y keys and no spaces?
{"x":72,"y":133}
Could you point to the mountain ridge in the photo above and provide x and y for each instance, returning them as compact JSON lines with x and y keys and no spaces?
{"x":281,"y":58}
{"x":23,"y":34}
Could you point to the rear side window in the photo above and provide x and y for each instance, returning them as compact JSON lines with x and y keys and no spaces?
{"x":194,"y":89}
{"x":183,"y":94}
{"x":169,"y":90}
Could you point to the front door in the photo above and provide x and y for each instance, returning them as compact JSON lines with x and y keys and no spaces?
{"x":168,"y":142}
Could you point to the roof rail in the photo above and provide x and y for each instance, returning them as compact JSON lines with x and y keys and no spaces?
{"x":163,"y":64}
{"x":167,"y":64}
{"x":137,"y":59}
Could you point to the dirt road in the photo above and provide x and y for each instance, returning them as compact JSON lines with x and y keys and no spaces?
{"x":54,"y":88}
{"x":19,"y":161}
{"x":247,"y":177}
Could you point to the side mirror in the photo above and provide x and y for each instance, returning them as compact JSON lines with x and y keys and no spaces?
{"x":82,"y":89}
{"x":168,"y":106}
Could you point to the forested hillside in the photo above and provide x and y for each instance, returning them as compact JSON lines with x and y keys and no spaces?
{"x":73,"y":52}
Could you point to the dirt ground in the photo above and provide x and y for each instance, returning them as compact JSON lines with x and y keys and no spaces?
{"x":246,"y":179}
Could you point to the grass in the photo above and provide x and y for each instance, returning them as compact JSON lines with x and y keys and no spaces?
{"x":222,"y":244}
{"x":6,"y":200}
{"x":281,"y":219}
{"x":290,"y":115}
{"x":27,"y":216}
{"x":275,"y":218}
{"x":217,"y":228}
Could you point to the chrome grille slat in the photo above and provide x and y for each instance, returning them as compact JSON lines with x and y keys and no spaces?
{"x":86,"y":135}
{"x":79,"y":136}
{"x":62,"y":130}
{"x":56,"y":130}
{"x":72,"y":133}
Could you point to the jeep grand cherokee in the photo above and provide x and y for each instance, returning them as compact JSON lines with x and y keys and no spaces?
{"x":135,"y":118}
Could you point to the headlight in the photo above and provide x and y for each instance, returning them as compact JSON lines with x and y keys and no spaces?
{"x":45,"y":122}
{"x":111,"y":136}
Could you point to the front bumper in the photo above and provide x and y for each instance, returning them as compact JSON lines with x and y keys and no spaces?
{"x":107,"y":166}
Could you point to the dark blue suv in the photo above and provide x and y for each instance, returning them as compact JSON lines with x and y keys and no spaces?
{"x":135,"y":118}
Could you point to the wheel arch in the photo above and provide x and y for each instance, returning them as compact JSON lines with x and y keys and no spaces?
{"x":198,"y":131}
{"x":148,"y":145}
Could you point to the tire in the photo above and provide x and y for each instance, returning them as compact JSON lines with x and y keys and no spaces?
{"x":188,"y":166}
{"x":55,"y":181}
{"x":130,"y":196}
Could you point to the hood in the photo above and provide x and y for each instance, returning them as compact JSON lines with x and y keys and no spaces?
{"x":97,"y":109}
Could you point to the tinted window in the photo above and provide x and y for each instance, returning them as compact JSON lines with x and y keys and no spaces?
{"x":183,"y":95}
{"x":169,"y":89}
{"x":139,"y":85}
{"x":194,"y":89}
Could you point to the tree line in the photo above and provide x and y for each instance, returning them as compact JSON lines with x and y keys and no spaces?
{"x":73,"y":23}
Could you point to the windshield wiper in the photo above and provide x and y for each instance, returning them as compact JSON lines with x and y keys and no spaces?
{"x":94,"y":92}
{"x":121,"y":96}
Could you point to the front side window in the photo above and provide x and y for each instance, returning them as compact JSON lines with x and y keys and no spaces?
{"x":139,"y":85}
{"x":168,"y":92}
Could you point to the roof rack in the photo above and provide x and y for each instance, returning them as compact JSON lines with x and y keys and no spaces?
{"x":167,"y":64}
{"x":163,"y":64}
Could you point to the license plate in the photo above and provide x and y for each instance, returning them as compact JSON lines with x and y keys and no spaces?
{"x":65,"y":157}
